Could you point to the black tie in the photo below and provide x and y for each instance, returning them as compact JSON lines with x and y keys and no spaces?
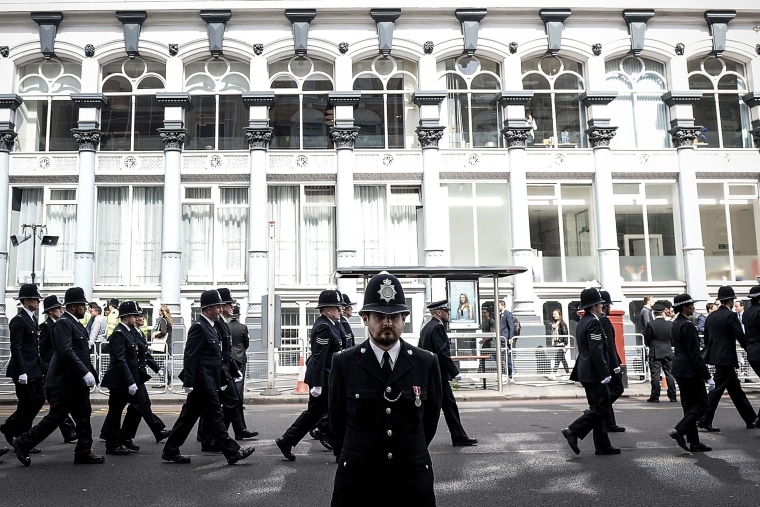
{"x":386,"y":365}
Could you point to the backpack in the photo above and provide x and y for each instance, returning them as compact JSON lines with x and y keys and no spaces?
{"x":518,"y":327}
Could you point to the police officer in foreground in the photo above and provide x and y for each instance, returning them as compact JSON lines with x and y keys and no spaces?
{"x":433,"y":338}
{"x":593,"y":372}
{"x":613,"y":361}
{"x":384,"y":405}
{"x":751,"y":322}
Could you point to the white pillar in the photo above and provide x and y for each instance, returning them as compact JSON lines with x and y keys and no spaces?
{"x":8,"y":105}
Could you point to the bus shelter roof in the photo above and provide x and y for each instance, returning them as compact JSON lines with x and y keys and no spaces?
{"x":447,"y":272}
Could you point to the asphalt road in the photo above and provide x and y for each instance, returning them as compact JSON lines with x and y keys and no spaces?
{"x":521,"y":460}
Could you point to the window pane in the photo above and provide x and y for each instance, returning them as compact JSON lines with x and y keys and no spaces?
{"x":233,"y":118}
{"x":116,"y":120}
{"x":544,"y":235}
{"x":712,"y":213}
{"x":197,"y":248}
{"x":462,"y":224}
{"x":666,"y":264}
{"x":459,"y":120}
{"x":26,"y":209}
{"x":541,"y":108}
{"x":485,"y":120}
{"x":369,"y":116}
{"x":403,"y":228}
{"x":112,"y":246}
{"x":319,"y":244}
{"x":32,"y":125}
{"x":285,"y":120}
{"x":744,"y":239}
{"x":731,"y":121}
{"x":62,"y":120}
{"x":370,"y":203}
{"x":570,"y":120}
{"x":580,"y":253}
{"x":704,"y":115}
{"x":232,"y":218}
{"x":201,"y":123}
{"x":492,"y":227}
{"x":629,"y":218}
{"x":59,"y":261}
{"x":146,"y":242}
{"x":149,"y":117}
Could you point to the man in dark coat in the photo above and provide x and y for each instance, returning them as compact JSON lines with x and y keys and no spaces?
{"x":385,"y":401}
{"x":68,"y":383}
{"x":593,"y":372}
{"x":325,"y":341}
{"x":433,"y":338}
{"x":240,"y":343}
{"x":346,"y":311}
{"x":201,"y":378}
{"x":657,"y":338}
{"x":613,"y":361}
{"x":722,"y":331}
{"x":690,"y":372}
{"x":751,"y":321}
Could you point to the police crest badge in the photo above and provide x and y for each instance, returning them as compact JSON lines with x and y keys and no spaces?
{"x":387,"y":291}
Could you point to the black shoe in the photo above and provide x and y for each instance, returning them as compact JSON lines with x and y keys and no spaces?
{"x":35,"y":450}
{"x":242,"y":453}
{"x":163,"y":435}
{"x":246,"y":434}
{"x":177,"y":458}
{"x":751,"y":426}
{"x":3,"y":451}
{"x":117,"y":451}
{"x":708,"y":427}
{"x":616,"y":429}
{"x":130,"y":445}
{"x":7,"y":434}
{"x":699,"y":448}
{"x":653,"y":400}
{"x":285,"y":449}
{"x":21,"y":453}
{"x":467,"y":442}
{"x":607,"y":452}
{"x":679,"y":440}
{"x":572,"y":440}
{"x":71,"y":439}
{"x":89,"y":459}
{"x":313,"y":433}
{"x":673,"y":400}
{"x":325,"y":441}
{"x":212,"y":447}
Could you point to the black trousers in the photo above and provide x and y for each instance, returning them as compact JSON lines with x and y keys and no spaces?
{"x":616,"y":391}
{"x":658,"y":367}
{"x":206,"y":404}
{"x":31,"y":397}
{"x":756,"y":366}
{"x":240,"y":386}
{"x":451,"y":414}
{"x":726,"y":380}
{"x":118,"y":398}
{"x":309,"y":419}
{"x":64,"y":401}
{"x":232,"y":409}
{"x":694,"y":404}
{"x":140,"y":408}
{"x":594,"y":419}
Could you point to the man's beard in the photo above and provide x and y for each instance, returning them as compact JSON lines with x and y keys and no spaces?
{"x":386,"y":338}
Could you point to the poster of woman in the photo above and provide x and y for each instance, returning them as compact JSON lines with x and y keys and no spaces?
{"x":463,"y":301}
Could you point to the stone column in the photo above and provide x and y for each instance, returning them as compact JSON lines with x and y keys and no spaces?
{"x":87,"y":134}
{"x":8,"y":105}
{"x":683,"y":133}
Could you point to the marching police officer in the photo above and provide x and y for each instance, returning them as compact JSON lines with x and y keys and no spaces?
{"x":613,"y":361}
{"x":240,"y":341}
{"x":751,"y":323}
{"x":433,"y":338}
{"x":346,"y":311}
{"x":593,"y":372}
{"x":384,"y":405}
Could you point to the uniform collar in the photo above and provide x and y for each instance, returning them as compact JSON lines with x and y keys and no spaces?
{"x":393,"y":352}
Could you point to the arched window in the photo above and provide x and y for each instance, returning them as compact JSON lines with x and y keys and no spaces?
{"x":131,"y":120}
{"x":46,"y":117}
{"x":301,"y":85}
{"x":219,"y":117}
{"x":385,"y":115}
{"x":638,"y":111}
{"x":557,"y":83}
{"x":473,"y":116}
{"x":723,"y":115}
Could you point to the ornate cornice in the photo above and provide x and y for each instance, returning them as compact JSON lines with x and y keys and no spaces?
{"x":344,"y":138}
{"x":429,"y":137}
{"x":597,"y":98}
{"x":258,"y":139}
{"x":10,"y":101}
{"x":683,"y":137}
{"x":681,"y":98}
{"x":174,"y":99}
{"x":96,"y":100}
{"x":428,"y":98}
{"x":173,"y":139}
{"x":600,"y":137}
{"x":756,"y":132}
{"x":516,"y":136}
{"x":88,"y":140}
{"x":7,"y":140}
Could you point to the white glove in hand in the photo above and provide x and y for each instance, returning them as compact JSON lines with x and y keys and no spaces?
{"x":617,"y":370}
{"x":160,"y":372}
{"x":187,"y":390}
{"x":89,"y":379}
{"x":239,"y":379}
{"x":132,"y":389}
{"x":22,"y":379}
{"x":224,"y":387}
{"x":606,"y":380}
{"x":316,"y":391}
{"x":710,"y":384}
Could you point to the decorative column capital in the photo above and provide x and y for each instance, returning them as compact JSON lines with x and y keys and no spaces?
{"x":683,"y":137}
{"x":756,"y":133}
{"x":600,"y":133}
{"x":429,"y":136}
{"x":516,"y":137}
{"x":7,"y":140}
{"x":173,"y":139}
{"x":88,"y":139}
{"x":258,"y":138}
{"x":344,"y":138}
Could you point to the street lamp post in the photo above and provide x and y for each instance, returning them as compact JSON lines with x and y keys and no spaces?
{"x":38,"y":232}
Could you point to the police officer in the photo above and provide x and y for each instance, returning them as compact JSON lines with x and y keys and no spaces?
{"x":385,"y":401}
{"x":613,"y":361}
{"x":751,"y":322}
{"x":657,"y":338}
{"x":593,"y":372}
{"x":68,"y":383}
{"x":325,"y":341}
{"x":433,"y":338}
{"x":722,"y":331}
{"x":348,"y":333}
{"x":690,"y":372}
{"x":240,"y":343}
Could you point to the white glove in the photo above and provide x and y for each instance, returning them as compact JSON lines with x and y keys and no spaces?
{"x":160,"y":372}
{"x":187,"y":390}
{"x":239,"y":379}
{"x":607,"y":380}
{"x":224,"y":387}
{"x":132,"y":389}
{"x":22,"y":379}
{"x":617,"y":370}
{"x":89,"y":379}
{"x":710,"y":384}
{"x":316,"y":391}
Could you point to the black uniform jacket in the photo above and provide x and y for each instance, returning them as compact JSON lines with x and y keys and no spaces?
{"x":325,"y":341}
{"x":203,"y":358}
{"x":347,"y":333}
{"x":71,"y":354}
{"x":378,"y":421}
{"x":433,"y":337}
{"x":751,"y":321}
{"x":657,"y":338}
{"x":228,"y":365}
{"x":687,"y":359}
{"x":240,"y":341}
{"x":591,"y":365}
{"x":123,"y":367}
{"x":722,"y":331}
{"x":144,"y":357}
{"x":25,"y":352}
{"x":613,"y":358}
{"x":46,"y":343}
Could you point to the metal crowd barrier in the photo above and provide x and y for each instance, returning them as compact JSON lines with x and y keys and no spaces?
{"x":6,"y":384}
{"x":102,"y":359}
{"x":637,"y":364}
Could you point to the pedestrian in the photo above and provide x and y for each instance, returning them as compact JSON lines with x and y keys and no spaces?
{"x":347,"y":312}
{"x":722,"y":332}
{"x":613,"y":362}
{"x":325,"y":341}
{"x":691,"y":373}
{"x":560,"y":337}
{"x":433,"y":338}
{"x":385,"y":402}
{"x":592,"y":371}
{"x":98,"y":327}
{"x":646,"y":313}
{"x":68,"y":383}
{"x":507,"y":329}
{"x":201,"y":381}
{"x":112,"y":319}
{"x":240,"y":343}
{"x":657,"y":339}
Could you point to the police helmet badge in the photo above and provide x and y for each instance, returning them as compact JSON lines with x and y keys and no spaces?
{"x":387,"y":291}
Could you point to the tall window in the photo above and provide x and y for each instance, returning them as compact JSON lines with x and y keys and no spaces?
{"x":386,"y":229}
{"x":561,"y":233}
{"x":304,"y":218}
{"x":646,"y":232}
{"x":638,"y":110}
{"x":301,"y":86}
{"x":729,"y":230}
{"x":219,"y":117}
{"x":133,"y":116}
{"x":723,"y":115}
{"x":557,"y":83}
{"x":215,"y":235}
{"x":46,"y":117}
{"x":472,"y":85}
{"x":385,"y":115}
{"x":128,"y":235}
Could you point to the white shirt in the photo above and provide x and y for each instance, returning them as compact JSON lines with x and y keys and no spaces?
{"x":393,"y":352}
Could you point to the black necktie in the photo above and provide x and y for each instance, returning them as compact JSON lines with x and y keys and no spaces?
{"x":386,"y":365}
